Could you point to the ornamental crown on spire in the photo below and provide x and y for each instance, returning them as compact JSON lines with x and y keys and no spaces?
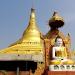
{"x":56,"y":21}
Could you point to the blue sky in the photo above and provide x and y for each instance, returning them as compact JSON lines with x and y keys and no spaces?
{"x":14,"y":17}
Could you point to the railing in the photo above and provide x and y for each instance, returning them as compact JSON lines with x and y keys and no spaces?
{"x":62,"y":67}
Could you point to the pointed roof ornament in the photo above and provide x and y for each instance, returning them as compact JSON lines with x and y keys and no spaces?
{"x":32,"y":15}
{"x":56,"y":21}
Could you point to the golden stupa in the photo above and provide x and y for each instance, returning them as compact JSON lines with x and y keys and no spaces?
{"x":28,"y":47}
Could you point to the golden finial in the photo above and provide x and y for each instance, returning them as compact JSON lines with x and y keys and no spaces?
{"x":32,"y":15}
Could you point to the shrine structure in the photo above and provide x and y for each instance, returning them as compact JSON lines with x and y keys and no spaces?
{"x":38,"y":54}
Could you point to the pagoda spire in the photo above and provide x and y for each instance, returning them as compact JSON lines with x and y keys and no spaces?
{"x":32,"y":33}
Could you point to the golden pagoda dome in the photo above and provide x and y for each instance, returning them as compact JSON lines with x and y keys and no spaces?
{"x":32,"y":32}
{"x":55,"y":62}
{"x":56,"y":21}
